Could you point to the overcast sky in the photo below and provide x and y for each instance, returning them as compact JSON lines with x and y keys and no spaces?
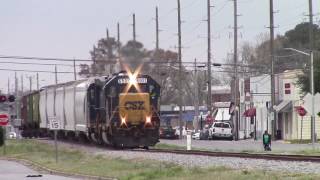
{"x":69,"y":28}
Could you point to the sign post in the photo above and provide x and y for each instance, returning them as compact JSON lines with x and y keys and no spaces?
{"x":302,"y":112}
{"x":188,"y":141}
{"x":4,"y":120}
{"x":55,"y":126}
{"x":312,"y":105}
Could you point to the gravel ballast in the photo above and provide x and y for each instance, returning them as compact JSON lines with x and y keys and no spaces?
{"x":190,"y":161}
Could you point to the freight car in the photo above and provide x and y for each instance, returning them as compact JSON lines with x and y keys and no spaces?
{"x":30,"y":115}
{"x":121,"y":110}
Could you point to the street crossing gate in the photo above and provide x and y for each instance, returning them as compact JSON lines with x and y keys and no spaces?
{"x":308,"y":103}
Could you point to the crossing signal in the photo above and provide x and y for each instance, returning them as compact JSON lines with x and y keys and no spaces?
{"x":3,"y":98}
{"x":11,"y":98}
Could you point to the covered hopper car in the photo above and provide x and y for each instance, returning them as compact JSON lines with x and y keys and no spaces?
{"x":120,"y":110}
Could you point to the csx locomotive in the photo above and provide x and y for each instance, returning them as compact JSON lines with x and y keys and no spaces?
{"x":121,"y":110}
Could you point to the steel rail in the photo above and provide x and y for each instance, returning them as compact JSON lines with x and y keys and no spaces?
{"x":265,"y":156}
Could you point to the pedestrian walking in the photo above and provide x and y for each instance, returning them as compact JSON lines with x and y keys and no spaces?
{"x":266,"y":139}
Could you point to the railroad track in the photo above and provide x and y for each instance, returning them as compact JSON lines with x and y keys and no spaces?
{"x":279,"y":157}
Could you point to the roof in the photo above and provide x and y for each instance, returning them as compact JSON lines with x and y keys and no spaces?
{"x":225,"y":89}
{"x":284,"y":106}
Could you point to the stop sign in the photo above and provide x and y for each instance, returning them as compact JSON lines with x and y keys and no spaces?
{"x":301,"y":111}
{"x":4,"y":119}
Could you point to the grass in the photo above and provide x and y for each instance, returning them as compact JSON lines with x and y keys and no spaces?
{"x":74,"y":161}
{"x":298,"y":141}
{"x":169,"y":146}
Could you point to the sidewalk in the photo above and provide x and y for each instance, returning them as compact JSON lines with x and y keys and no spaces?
{"x":10,"y":170}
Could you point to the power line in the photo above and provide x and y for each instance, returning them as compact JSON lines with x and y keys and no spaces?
{"x":43,"y":58}
{"x":42,"y":64}
{"x":24,"y":70}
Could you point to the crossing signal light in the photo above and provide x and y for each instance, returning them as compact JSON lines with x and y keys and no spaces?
{"x":3,"y":98}
{"x":11,"y":98}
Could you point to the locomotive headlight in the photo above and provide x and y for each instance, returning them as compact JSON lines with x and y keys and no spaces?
{"x":123,"y":121}
{"x":132,"y":80}
{"x":148,"y":120}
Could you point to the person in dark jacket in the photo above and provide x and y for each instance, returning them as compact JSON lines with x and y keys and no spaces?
{"x":266,"y":139}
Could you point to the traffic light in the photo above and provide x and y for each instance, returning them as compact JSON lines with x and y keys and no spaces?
{"x":11,"y":98}
{"x":2,"y":135}
{"x":3,"y":98}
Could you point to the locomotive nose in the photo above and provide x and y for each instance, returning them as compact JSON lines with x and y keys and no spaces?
{"x":134,"y":108}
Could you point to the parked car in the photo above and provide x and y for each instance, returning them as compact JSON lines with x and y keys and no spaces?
{"x":177,"y":131}
{"x":167,"y":132}
{"x":196,"y":135}
{"x":221,"y":130}
{"x":12,"y":135}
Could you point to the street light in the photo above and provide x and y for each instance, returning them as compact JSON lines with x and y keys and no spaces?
{"x":312,"y":89}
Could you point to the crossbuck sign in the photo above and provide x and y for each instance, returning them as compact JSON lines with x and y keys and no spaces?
{"x":54,"y":123}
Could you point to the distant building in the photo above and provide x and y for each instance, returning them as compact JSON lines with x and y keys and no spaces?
{"x":221,"y":94}
{"x":288,"y":97}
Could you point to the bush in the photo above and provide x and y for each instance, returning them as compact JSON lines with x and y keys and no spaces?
{"x":1,"y":136}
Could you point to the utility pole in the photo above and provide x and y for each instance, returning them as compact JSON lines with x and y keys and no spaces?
{"x":273,"y":91}
{"x":38,"y":81}
{"x":311,"y":41}
{"x":30,"y":83}
{"x":56,"y":74}
{"x":17,"y":96}
{"x":74,"y":69}
{"x":134,"y":26}
{"x":8,"y":85}
{"x":196,"y":92}
{"x":180,"y":68}
{"x":54,"y":112}
{"x":157,"y":29}
{"x":107,"y":33}
{"x":22,"y":84}
{"x":118,"y":38}
{"x":209,"y":101}
{"x":119,"y":46}
{"x":235,"y":58}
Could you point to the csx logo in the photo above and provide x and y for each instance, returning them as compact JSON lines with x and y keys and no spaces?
{"x":134,"y":105}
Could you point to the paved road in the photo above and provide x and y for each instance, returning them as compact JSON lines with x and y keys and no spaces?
{"x":242,"y":145}
{"x":14,"y":171}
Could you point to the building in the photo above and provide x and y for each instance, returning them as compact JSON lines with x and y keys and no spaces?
{"x":290,"y":124}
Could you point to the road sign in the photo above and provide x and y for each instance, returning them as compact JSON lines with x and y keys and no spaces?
{"x":54,"y":123}
{"x":17,"y":122}
{"x":301,"y":111}
{"x":4,"y":119}
{"x":308,"y":103}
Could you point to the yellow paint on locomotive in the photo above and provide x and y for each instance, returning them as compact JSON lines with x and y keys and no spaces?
{"x":134,"y":107}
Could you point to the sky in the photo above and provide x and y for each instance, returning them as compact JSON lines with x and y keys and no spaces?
{"x":70,"y":28}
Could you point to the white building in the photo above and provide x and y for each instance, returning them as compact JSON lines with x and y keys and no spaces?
{"x":288,"y":97}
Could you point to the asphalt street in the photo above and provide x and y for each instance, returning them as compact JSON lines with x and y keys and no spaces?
{"x":10,"y":170}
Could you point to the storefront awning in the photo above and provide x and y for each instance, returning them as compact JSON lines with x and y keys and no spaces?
{"x":284,"y":106}
{"x":250,"y":112}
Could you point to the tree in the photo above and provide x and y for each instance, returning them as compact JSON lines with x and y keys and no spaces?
{"x":103,"y":57}
{"x":297,"y":38}
{"x":133,"y":54}
{"x":159,"y":64}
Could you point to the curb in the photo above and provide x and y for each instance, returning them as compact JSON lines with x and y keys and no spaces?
{"x":37,"y":166}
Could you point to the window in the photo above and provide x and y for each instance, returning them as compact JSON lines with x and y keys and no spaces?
{"x":218,"y":125}
{"x":287,"y":85}
{"x":287,"y":91}
{"x":226,"y":126}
